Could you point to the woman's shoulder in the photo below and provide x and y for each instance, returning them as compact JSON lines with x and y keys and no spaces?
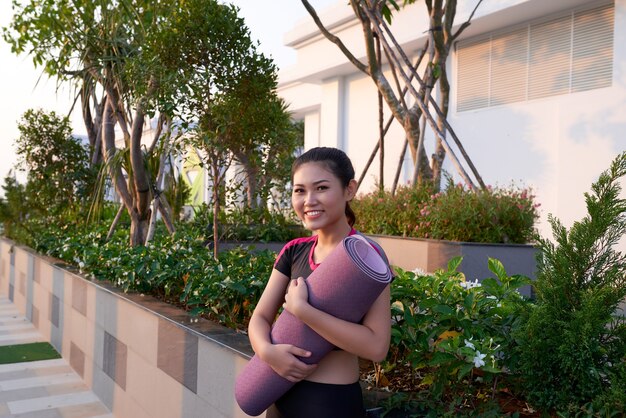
{"x":297,"y":243}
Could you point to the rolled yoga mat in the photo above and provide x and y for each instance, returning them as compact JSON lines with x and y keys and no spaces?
{"x":345,"y":285}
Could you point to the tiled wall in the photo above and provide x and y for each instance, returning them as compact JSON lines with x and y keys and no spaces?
{"x":142,"y":357}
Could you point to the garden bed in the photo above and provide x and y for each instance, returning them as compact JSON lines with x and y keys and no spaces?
{"x":142,"y":357}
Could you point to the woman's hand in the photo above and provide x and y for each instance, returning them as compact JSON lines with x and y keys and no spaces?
{"x":282,"y":359}
{"x":297,"y":297}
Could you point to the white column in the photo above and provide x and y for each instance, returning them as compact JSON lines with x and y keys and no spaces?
{"x":333,"y":113}
{"x":312,"y":130}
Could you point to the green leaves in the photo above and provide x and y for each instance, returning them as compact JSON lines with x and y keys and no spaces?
{"x":448,"y":329}
{"x":386,"y":10}
{"x":59,"y":177}
{"x":497,"y":215}
{"x":454,"y":263}
{"x":572,"y":335}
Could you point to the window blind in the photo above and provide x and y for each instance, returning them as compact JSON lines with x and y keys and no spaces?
{"x":568,"y":53}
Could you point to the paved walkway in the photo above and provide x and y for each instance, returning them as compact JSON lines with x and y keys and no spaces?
{"x":40,"y":389}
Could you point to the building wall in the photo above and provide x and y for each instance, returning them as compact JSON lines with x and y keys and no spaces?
{"x":556,"y":145}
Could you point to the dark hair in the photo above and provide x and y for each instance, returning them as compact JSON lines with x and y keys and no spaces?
{"x":337,"y":162}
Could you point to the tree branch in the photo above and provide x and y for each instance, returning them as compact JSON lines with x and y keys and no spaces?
{"x":358,"y":64}
{"x":433,"y":102}
{"x":418,"y":99}
{"x":467,"y":22}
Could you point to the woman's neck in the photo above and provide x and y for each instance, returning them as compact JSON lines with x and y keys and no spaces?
{"x":329,"y":239}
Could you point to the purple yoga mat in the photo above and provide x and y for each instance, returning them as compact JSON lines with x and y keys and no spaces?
{"x":345,"y":285}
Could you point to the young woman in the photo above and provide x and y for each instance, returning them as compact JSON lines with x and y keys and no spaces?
{"x":323,"y":185}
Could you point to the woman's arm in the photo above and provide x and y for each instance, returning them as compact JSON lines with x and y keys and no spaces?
{"x":369,"y":340}
{"x":281,"y":357}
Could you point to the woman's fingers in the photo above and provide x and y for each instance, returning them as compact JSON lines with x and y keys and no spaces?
{"x":300,"y":352}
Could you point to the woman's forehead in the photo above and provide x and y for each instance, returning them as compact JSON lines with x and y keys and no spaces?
{"x":313,"y":171}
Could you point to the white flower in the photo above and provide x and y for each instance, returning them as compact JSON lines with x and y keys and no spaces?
{"x":419,"y":272}
{"x":468,"y":343}
{"x":470,"y":284}
{"x":478,"y":359}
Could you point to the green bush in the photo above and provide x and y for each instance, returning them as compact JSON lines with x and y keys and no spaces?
{"x":57,"y":164}
{"x":573,"y":348}
{"x":455,"y":335}
{"x":245,"y":224}
{"x":177,"y":268}
{"x":14,"y":209}
{"x":457,"y":214}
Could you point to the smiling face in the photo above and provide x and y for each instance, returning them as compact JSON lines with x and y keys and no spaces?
{"x":319,"y":199}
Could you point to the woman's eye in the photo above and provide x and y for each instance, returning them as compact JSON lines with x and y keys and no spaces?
{"x":322,"y":187}
{"x":297,"y":190}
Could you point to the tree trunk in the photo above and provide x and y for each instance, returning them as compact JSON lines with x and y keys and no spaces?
{"x":412,"y":129}
{"x":441,"y":47}
{"x":251,"y":178}
{"x":118,"y":216}
{"x":93,"y":124}
{"x":216,"y":207}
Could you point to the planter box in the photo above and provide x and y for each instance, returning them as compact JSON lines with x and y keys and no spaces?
{"x":147,"y":359}
{"x":430,"y":255}
{"x":143,"y":358}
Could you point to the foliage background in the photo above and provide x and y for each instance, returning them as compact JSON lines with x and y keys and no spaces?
{"x":457,"y":213}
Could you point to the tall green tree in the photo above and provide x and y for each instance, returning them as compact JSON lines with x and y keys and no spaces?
{"x":228,"y":91}
{"x":574,"y":337}
{"x":58,"y":173}
{"x":227,"y":95}
{"x":258,"y":131}
{"x":14,"y":207}
{"x":130,"y":60}
{"x":93,"y":44}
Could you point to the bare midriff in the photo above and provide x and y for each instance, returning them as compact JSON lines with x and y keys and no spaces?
{"x":338,"y":367}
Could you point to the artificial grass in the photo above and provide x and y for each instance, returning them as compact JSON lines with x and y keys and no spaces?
{"x":27,"y":352}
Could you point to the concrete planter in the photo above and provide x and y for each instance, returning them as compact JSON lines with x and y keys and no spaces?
{"x":143,"y":358}
{"x":147,"y":359}
{"x":430,"y":255}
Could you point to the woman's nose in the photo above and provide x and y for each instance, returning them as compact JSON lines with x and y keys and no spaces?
{"x":310,"y":198}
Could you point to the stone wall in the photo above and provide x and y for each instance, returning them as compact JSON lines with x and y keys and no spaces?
{"x":143,"y":358}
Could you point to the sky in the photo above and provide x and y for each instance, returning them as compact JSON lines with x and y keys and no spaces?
{"x":23,"y":87}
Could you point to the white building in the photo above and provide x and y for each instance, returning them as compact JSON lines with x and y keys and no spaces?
{"x":538,"y":93}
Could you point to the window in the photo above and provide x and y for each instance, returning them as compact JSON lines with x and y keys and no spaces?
{"x":565,"y":54}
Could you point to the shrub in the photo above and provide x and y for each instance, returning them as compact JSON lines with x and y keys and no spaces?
{"x":457,"y":214}
{"x":572,"y":348}
{"x":14,"y":209}
{"x":178,"y":268}
{"x":57,"y":164}
{"x":454,"y":334}
{"x":245,"y":224}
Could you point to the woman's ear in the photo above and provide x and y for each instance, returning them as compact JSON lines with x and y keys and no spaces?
{"x":351,"y":189}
